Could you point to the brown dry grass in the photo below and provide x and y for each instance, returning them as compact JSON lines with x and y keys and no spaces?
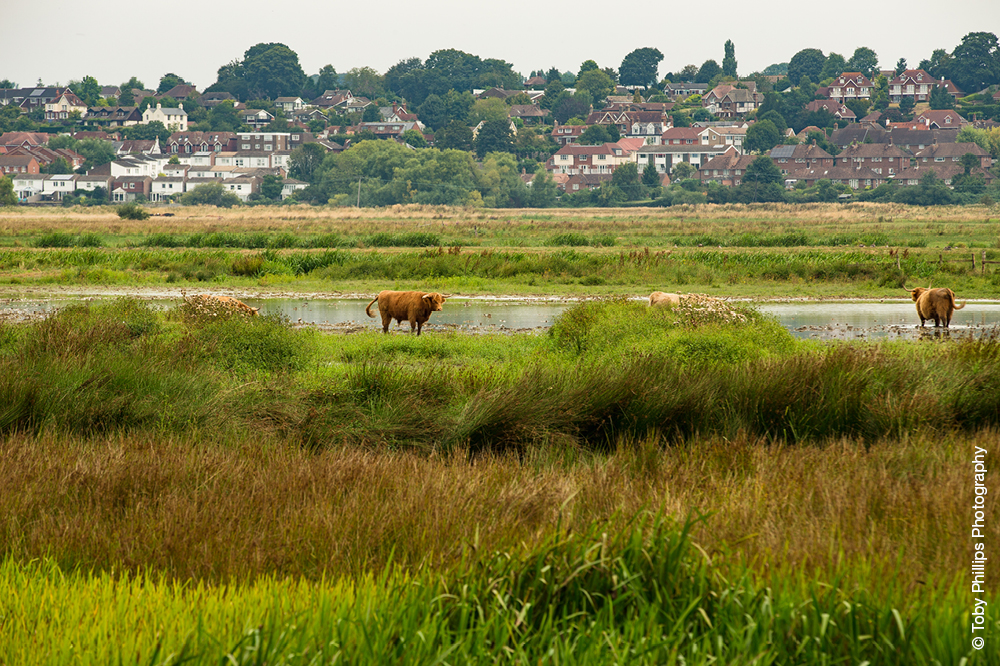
{"x":231,"y":509}
{"x":308,"y":219}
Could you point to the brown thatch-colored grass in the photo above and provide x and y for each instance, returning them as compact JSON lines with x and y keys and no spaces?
{"x":310,"y":219}
{"x":216,"y":510}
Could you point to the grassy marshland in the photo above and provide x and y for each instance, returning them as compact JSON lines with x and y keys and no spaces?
{"x":652,"y":486}
{"x":813,"y":250}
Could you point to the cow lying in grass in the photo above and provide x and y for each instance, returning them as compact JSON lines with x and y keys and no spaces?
{"x":937,"y":304}
{"x":664,"y":299}
{"x":412,"y":306}
{"x":211,"y":303}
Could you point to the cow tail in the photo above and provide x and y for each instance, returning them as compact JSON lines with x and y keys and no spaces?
{"x":368,"y":309}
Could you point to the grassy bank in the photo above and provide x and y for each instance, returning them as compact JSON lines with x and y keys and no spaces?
{"x":196,"y":485}
{"x":820,"y":249}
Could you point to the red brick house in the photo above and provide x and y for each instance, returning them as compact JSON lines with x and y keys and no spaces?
{"x":13,"y":164}
{"x":916,"y":84}
{"x":942,"y":153}
{"x":567,"y":134}
{"x":801,"y":156}
{"x":726,"y":169}
{"x":884,"y":159}
{"x":942,"y":119}
{"x":126,"y":188}
{"x":834,"y":108}
{"x":850,"y":85}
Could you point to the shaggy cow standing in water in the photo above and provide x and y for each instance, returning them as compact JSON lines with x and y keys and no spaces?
{"x":937,"y":304}
{"x":413,"y":306}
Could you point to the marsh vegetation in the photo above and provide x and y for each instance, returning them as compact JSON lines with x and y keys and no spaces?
{"x":639,"y":484}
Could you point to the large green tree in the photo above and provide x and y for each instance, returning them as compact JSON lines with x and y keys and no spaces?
{"x":87,"y":89}
{"x":976,"y":62}
{"x":500,"y":182}
{"x":595,"y":135}
{"x":7,"y":195}
{"x":96,"y":152}
{"x":304,"y":162}
{"x":864,"y":60}
{"x":494,"y":137}
{"x":168,"y":81}
{"x":729,"y":62}
{"x":807,"y":62}
{"x":834,"y":66}
{"x":271,"y":186}
{"x":597,"y":83}
{"x":364,"y":82}
{"x":709,"y":70}
{"x":455,"y":135}
{"x":626,"y":178}
{"x":543,"y":191}
{"x":267,"y":71}
{"x":639,"y":67}
{"x":272,"y":71}
{"x":763,"y":171}
{"x":147,"y":132}
{"x":940,"y":99}
{"x":761,"y":137}
{"x":210,"y":194}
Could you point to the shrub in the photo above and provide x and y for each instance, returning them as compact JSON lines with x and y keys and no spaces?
{"x":132,"y":211}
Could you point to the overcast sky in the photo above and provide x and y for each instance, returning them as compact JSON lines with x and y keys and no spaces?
{"x":67,"y":41}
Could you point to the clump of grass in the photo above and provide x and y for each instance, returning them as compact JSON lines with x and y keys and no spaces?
{"x":409,"y":239}
{"x":247,"y":265}
{"x":570,"y":239}
{"x":61,"y":239}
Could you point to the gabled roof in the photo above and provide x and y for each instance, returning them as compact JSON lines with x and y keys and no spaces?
{"x":527,"y":111}
{"x":867,"y":150}
{"x":23,"y":139}
{"x":181,"y":91}
{"x":950,"y":150}
{"x":852,"y":78}
{"x":681,"y":133}
{"x":835,"y":108}
{"x":839,"y":172}
{"x":731,"y":159}
{"x":941,"y":118}
{"x":943,"y":170}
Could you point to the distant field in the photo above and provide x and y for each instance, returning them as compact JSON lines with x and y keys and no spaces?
{"x":821,"y":250}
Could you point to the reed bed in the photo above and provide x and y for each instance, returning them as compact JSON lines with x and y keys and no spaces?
{"x":854,"y":550}
{"x":686,"y":485}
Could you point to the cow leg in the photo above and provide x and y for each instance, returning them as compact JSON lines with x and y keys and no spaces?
{"x":386,"y":320}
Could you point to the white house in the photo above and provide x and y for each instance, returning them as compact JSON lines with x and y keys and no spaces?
{"x":164,"y":187}
{"x":174,"y":120}
{"x":28,"y":186}
{"x":57,"y":186}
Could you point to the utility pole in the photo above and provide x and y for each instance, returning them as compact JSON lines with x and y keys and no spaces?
{"x":359,"y":192}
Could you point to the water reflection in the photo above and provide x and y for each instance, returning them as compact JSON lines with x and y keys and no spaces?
{"x":457,"y":313}
{"x":887,"y":320}
{"x":807,"y":320}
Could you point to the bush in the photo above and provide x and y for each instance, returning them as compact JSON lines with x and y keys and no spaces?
{"x":132,"y":211}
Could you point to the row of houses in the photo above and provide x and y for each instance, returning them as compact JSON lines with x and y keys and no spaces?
{"x":156,"y":179}
{"x":859,"y":164}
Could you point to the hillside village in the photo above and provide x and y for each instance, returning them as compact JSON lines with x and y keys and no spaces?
{"x":850,"y":133}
